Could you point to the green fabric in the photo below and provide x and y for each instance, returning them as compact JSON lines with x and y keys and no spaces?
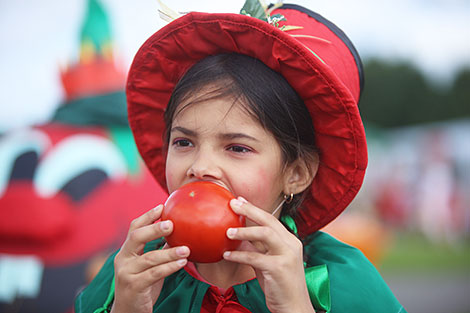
{"x":181,"y":293}
{"x":94,"y":296}
{"x":318,"y":285}
{"x":290,"y":223}
{"x":355,"y":285}
{"x":154,"y":245}
{"x":101,"y":110}
{"x":109,"y":300}
{"x":316,"y":277}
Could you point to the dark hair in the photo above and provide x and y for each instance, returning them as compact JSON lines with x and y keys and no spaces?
{"x":266,"y":96}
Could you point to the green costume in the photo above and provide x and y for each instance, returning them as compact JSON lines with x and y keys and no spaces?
{"x":351,"y":284}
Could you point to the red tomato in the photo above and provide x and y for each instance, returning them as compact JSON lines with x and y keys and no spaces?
{"x":201,"y":215}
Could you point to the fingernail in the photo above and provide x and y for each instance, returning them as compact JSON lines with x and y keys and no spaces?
{"x":231,"y":232}
{"x":243,"y":200}
{"x":165,"y":225}
{"x":236,"y":203}
{"x":182,"y":251}
{"x":182,"y":262}
{"x":227,"y":254}
{"x":158,"y":207}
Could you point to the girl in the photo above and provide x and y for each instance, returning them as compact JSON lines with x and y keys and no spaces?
{"x":269,"y":111}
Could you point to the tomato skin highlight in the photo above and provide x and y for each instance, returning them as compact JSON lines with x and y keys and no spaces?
{"x":201,"y":214}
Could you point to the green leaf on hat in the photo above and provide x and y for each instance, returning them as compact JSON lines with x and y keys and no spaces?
{"x":254,"y":8}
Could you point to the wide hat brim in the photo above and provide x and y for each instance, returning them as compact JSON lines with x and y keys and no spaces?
{"x":315,"y":61}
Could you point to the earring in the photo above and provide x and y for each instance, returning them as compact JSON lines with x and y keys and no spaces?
{"x":289,"y":198}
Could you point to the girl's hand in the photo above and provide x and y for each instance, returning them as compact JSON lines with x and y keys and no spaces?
{"x":138,"y":276}
{"x":276,"y":256}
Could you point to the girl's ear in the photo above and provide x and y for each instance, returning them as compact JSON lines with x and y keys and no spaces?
{"x":299,"y":175}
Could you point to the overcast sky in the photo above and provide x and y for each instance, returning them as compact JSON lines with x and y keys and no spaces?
{"x":37,"y":37}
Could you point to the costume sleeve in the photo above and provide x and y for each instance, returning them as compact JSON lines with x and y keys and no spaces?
{"x":99,"y":293}
{"x":355,"y":284}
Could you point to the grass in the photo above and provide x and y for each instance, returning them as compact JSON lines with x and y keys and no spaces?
{"x":413,"y":252}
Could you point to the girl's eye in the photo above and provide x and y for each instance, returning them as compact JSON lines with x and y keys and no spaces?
{"x":239,"y":149}
{"x":182,"y":142}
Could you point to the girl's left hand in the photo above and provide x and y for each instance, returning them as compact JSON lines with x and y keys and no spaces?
{"x":276,"y":256}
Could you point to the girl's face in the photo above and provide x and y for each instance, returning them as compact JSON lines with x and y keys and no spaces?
{"x":217,"y":140}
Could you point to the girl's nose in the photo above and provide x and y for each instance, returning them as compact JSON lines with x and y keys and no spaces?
{"x":204,"y":167}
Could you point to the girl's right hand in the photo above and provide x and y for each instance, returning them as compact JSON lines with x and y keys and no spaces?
{"x":138,"y":276}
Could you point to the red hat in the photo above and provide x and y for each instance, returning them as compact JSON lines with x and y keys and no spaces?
{"x":317,"y":60}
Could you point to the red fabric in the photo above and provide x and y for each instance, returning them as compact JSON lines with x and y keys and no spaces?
{"x":217,"y":300}
{"x":328,"y":84}
{"x":217,"y":303}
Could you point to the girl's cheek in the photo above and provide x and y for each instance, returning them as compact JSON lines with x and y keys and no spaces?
{"x":170,"y":178}
{"x":169,"y":181}
{"x":260,"y":190}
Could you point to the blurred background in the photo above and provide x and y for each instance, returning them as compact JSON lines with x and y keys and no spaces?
{"x":65,"y":147}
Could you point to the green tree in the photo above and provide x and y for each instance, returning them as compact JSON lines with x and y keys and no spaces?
{"x":395,"y":94}
{"x":398,"y":94}
{"x":459,"y":95}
